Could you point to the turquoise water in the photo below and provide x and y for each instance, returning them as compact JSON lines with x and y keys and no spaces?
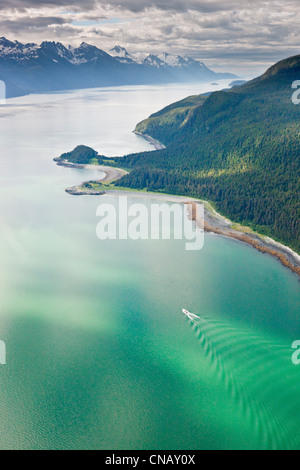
{"x":99,"y":355}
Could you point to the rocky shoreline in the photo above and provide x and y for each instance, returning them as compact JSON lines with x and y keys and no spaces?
{"x":78,"y":191}
{"x":215,"y":223}
{"x":158,"y":145}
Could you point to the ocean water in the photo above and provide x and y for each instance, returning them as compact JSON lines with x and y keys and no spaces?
{"x":99,"y":355}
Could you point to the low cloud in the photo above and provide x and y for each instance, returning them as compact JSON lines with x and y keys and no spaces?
{"x":39,"y":22}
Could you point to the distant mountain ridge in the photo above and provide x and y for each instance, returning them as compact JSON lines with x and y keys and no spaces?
{"x":162,"y":60}
{"x":51,"y":66}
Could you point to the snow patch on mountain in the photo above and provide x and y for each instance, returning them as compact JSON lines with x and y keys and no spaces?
{"x":86,"y":53}
{"x":162,"y":60}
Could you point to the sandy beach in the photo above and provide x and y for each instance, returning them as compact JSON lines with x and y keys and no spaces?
{"x":110,"y":174}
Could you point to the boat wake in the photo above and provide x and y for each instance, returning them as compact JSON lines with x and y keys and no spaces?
{"x":258,"y":376}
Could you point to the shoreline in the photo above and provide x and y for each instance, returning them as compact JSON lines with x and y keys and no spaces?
{"x":111,"y":174}
{"x":214,"y":222}
{"x":219,"y":225}
{"x":156,"y":143}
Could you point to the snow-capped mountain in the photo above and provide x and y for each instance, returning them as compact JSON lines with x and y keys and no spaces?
{"x":16,"y":50}
{"x":54,"y":51}
{"x":51,"y":66}
{"x":173,"y":60}
{"x":120,"y":53}
{"x":161,"y":60}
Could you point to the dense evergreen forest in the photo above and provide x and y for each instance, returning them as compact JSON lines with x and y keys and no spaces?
{"x":238,"y":148}
{"x":81,"y":155}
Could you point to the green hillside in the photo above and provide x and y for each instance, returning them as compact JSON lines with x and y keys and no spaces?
{"x":239,"y":148}
{"x":81,"y":155}
{"x":165,"y":124}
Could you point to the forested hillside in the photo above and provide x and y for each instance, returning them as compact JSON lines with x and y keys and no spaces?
{"x":238,"y":148}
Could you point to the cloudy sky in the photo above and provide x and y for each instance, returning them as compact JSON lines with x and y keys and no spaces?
{"x":235,"y":35}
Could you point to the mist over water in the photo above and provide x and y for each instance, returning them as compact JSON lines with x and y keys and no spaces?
{"x":99,"y":355}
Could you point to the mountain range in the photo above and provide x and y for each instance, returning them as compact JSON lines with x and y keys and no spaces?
{"x":50,"y":66}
